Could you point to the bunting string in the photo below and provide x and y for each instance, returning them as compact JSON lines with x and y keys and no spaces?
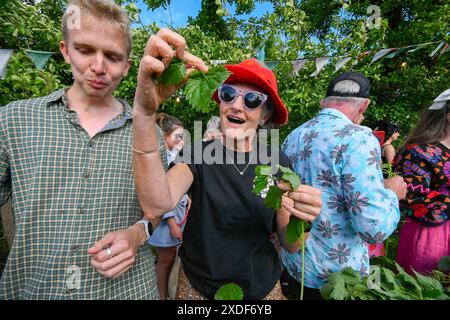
{"x":40,"y":58}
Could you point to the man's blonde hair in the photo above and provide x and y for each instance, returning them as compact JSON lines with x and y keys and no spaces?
{"x":105,"y":10}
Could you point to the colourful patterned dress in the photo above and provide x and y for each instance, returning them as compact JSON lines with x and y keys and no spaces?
{"x":425,"y":236}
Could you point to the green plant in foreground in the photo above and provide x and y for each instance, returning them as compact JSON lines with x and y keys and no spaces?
{"x":383,"y":284}
{"x":296,"y":228}
{"x":229,"y":291}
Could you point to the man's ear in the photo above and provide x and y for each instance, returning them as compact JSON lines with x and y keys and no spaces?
{"x":64,"y":51}
{"x":127,"y":67}
{"x":364,"y":106}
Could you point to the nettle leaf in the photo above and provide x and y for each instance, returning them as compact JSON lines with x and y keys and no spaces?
{"x":263,"y":170}
{"x":201,"y":86}
{"x":428,"y":283}
{"x":229,"y":291}
{"x":291,"y":177}
{"x":262,"y":178}
{"x":339,"y":291}
{"x":263,"y":175}
{"x":174,"y":74}
{"x":273,"y":198}
{"x":294,"y":230}
{"x":259,"y":184}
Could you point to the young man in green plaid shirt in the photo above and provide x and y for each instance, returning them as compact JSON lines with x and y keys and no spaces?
{"x":66,"y":163}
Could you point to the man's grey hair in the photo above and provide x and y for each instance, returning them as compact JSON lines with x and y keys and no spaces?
{"x":333,"y":100}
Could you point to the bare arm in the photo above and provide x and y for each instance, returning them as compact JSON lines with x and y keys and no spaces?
{"x":389,"y":153}
{"x":158,"y":192}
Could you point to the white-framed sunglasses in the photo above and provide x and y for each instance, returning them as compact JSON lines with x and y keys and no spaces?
{"x":252,"y":99}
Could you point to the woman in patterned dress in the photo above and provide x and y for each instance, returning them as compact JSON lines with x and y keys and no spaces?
{"x":424,"y":162}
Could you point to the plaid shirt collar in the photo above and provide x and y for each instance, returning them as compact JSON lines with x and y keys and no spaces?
{"x":61,"y":96}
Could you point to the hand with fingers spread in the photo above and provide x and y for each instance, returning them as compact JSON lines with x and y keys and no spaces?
{"x":115,"y":253}
{"x":158,"y":54}
{"x":304,"y":203}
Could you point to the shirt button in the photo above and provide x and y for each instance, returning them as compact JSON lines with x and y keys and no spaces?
{"x":86,"y":175}
{"x":75,"y":248}
{"x":69,"y":291}
{"x":90,"y":144}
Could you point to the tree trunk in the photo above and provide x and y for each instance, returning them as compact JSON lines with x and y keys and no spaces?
{"x":9,"y":227}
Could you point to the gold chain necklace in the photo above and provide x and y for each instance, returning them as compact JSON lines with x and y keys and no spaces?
{"x":232,"y":162}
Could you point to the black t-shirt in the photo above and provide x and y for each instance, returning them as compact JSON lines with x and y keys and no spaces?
{"x":226,"y":238}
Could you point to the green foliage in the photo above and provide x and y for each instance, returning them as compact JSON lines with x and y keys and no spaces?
{"x":291,"y":177}
{"x":174,"y":74}
{"x":265,"y":180}
{"x":24,"y":81}
{"x":349,"y":285}
{"x":201,"y":86}
{"x":31,"y":27}
{"x":229,"y":291}
{"x":295,"y":230}
{"x":210,"y":19}
{"x":273,"y":198}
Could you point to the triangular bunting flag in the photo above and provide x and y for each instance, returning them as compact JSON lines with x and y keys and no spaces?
{"x":418,"y":47}
{"x":444,"y":49}
{"x":395,"y":53}
{"x":341,"y":62}
{"x":320,"y":63}
{"x":39,"y":58}
{"x":437,"y":49}
{"x":262,"y":53}
{"x":380,"y":54}
{"x":297,"y":65}
{"x":272,"y":64}
{"x":5,"y":54}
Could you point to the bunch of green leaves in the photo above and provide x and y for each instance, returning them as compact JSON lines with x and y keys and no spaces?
{"x":443,"y":278}
{"x":348,"y":284}
{"x":199,"y":87}
{"x":229,"y":291}
{"x":264,"y":179}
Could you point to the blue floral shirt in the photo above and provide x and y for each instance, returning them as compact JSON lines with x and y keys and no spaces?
{"x":343,"y":160}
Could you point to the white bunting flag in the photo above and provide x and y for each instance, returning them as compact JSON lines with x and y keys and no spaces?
{"x":341,"y":62}
{"x":5,"y":54}
{"x":437,"y":49}
{"x":380,"y":54}
{"x":320,"y":63}
{"x":298,"y":65}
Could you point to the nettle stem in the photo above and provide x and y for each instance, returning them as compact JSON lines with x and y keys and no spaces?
{"x":303,"y":260}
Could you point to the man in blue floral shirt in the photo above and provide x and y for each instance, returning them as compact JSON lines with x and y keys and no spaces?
{"x":333,"y":153}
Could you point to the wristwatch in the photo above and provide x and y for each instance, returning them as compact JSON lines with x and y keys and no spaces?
{"x":148,"y":227}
